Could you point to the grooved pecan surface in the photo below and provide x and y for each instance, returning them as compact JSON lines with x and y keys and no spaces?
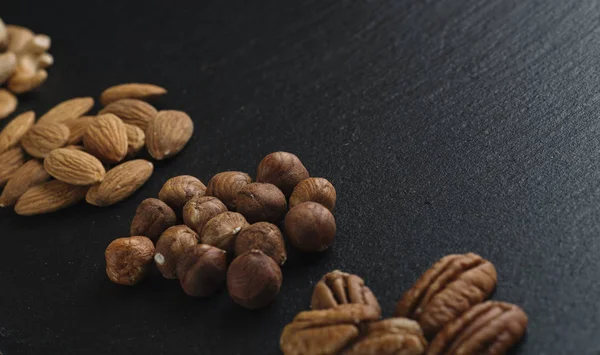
{"x":394,"y":336}
{"x":337,"y":288}
{"x":447,"y":290}
{"x":490,"y":328}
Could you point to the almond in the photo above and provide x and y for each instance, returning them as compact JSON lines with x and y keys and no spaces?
{"x":68,"y":110}
{"x":48,"y":197}
{"x":77,"y":128}
{"x":10,"y":161}
{"x":120,"y":182}
{"x":74,"y":167}
{"x":131,"y":91}
{"x":16,"y":129}
{"x":76,"y":147}
{"x":8,"y":103}
{"x":106,"y":138}
{"x":136,"y":139}
{"x":40,"y":140}
{"x":132,"y":111}
{"x":28,"y":175}
{"x":168,"y":133}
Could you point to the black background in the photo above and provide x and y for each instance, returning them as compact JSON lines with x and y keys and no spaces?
{"x":446,"y":126}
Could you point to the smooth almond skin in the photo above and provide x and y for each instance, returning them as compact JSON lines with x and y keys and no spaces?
{"x":131,"y":91}
{"x":10,"y":161}
{"x":49,"y":197}
{"x":8,"y":103}
{"x":77,"y":128}
{"x":8,"y":64}
{"x":74,"y":167}
{"x":168,"y":133}
{"x":132,"y":111}
{"x":68,"y":110}
{"x":28,"y":175}
{"x":136,"y":139}
{"x":40,"y":140}
{"x":120,"y":182}
{"x":106,"y":138}
{"x":15,"y":130}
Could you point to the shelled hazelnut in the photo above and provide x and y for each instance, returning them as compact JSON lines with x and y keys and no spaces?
{"x":262,"y":236}
{"x":314,"y":189}
{"x":253,"y":279}
{"x":170,"y":247}
{"x":202,"y":270}
{"x":283,"y":170}
{"x":222,"y":230}
{"x":128,"y":259}
{"x":310,"y":227}
{"x":226,"y":185}
{"x":152,"y":218}
{"x":199,"y":210}
{"x":177,"y":191}
{"x":261,"y":202}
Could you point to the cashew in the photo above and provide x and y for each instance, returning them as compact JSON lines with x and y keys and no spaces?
{"x":3,"y":36}
{"x":17,"y":38}
{"x":8,"y":63}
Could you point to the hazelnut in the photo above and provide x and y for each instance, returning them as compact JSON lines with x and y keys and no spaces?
{"x":261,"y":202}
{"x":310,"y":227}
{"x":225,"y":186}
{"x":253,"y":279}
{"x":177,"y":191}
{"x":202,"y":270}
{"x":200,"y":210}
{"x":152,"y":218}
{"x":128,"y":259}
{"x":170,"y":247}
{"x":314,"y":189}
{"x":283,"y":170}
{"x":262,"y":236}
{"x":222,"y":230}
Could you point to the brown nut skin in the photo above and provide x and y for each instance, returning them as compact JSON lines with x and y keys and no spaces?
{"x":488,"y":328}
{"x":310,"y":227}
{"x":314,"y":189}
{"x":253,"y":279}
{"x":152,"y":218}
{"x":390,"y":336}
{"x":262,"y":236}
{"x":337,"y":288}
{"x":199,"y":210}
{"x":283,"y":170}
{"x":449,"y":288}
{"x":222,"y":230}
{"x":170,"y":247}
{"x":128,"y":259}
{"x":261,"y":202}
{"x":202,"y":270}
{"x":226,"y":185}
{"x":177,"y":191}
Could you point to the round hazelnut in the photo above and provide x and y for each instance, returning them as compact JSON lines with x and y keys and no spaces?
{"x":253,"y":279}
{"x":128,"y":259}
{"x":225,"y":186}
{"x":170,"y":247}
{"x":283,"y":170}
{"x":262,"y":236}
{"x":261,"y":202}
{"x":152,"y":218}
{"x":177,"y":191}
{"x":314,"y":189}
{"x":310,"y":227}
{"x":200,"y":210}
{"x":222,"y":230}
{"x":202,"y":270}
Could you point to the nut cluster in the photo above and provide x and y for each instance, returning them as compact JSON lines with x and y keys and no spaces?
{"x":345,"y":315}
{"x":93,"y":157}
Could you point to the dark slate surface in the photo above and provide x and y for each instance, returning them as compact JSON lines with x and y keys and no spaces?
{"x":446,"y":126}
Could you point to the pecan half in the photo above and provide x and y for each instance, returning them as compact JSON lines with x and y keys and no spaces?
{"x":490,"y":328}
{"x":325,"y":332}
{"x":451,"y":287}
{"x":394,"y":336}
{"x":337,"y":288}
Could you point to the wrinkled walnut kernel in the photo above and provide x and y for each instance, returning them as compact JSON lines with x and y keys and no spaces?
{"x":337,"y":288}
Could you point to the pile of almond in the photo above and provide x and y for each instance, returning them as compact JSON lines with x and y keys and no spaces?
{"x":67,"y":156}
{"x":23,"y":63}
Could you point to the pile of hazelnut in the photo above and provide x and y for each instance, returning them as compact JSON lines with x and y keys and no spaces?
{"x":231,"y":219}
